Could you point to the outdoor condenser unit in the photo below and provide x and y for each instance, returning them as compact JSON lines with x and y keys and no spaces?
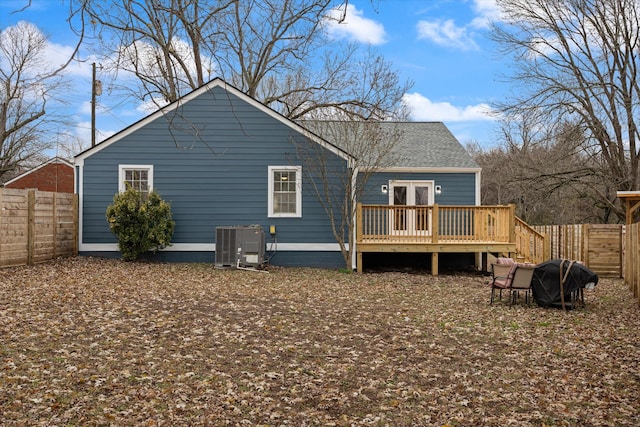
{"x":240,"y":246}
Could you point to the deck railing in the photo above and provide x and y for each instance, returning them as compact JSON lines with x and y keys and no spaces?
{"x":435,"y":224}
{"x":435,"y":229}
{"x":530,"y":244}
{"x":385,"y":224}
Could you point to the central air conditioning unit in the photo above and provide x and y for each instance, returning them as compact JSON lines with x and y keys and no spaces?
{"x":240,"y":246}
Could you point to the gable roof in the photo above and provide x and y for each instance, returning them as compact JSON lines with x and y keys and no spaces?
{"x":430,"y":145}
{"x":53,"y":160}
{"x":419,"y":145}
{"x":217,"y":82}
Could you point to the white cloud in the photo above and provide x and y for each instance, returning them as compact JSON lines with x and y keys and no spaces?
{"x":56,"y":55}
{"x":423,"y":109}
{"x":355,"y":26}
{"x":151,"y":106}
{"x":83,"y":132}
{"x":79,"y":138}
{"x":446,"y":33}
{"x":101,"y":109}
{"x":85,"y":108}
{"x":487,"y":11}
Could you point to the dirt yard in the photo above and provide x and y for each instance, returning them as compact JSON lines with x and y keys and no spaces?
{"x":102,"y":342}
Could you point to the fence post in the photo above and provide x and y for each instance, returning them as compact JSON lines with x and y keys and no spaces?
{"x":54,"y":225}
{"x":636,"y":261}
{"x":584,"y":250}
{"x":31,"y":227}
{"x":546,"y":247}
{"x":1,"y":228}
{"x":76,"y":224}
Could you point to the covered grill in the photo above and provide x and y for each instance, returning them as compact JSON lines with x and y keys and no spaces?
{"x":559,"y":283}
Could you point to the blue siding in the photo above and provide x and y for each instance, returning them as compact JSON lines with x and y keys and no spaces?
{"x":210,"y":160}
{"x":457,"y":188}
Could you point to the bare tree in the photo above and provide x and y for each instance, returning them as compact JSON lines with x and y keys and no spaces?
{"x":577,"y":61}
{"x":276,"y":51}
{"x":268,"y":37}
{"x":371,"y":144}
{"x":28,"y":89}
{"x":544,"y":171}
{"x":338,"y":190}
{"x":165,"y":44}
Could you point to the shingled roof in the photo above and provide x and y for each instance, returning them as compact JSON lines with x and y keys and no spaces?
{"x":429,"y":144}
{"x":420,"y":145}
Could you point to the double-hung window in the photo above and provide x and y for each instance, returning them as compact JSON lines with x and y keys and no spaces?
{"x":138,"y":177}
{"x":285,"y":191}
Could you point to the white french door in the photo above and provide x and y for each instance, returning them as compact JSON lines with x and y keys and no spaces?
{"x":410,"y":221}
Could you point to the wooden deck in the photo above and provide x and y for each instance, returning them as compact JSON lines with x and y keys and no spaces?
{"x":436,"y":229}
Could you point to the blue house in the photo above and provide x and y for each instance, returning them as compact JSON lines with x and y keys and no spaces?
{"x":221,"y":158}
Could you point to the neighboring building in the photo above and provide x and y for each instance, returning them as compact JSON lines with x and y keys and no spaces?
{"x":54,"y":175}
{"x":221,"y":158}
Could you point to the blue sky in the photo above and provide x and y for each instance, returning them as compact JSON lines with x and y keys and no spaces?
{"x":441,"y":45}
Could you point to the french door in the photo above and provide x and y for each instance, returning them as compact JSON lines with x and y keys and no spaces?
{"x":408,"y":218}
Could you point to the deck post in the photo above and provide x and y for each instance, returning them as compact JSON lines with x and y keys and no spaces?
{"x":512,"y":226}
{"x":434,"y":263}
{"x":358,"y":237}
{"x":435,"y":224}
{"x":435,"y":236}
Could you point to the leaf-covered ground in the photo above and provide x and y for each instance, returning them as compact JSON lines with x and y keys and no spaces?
{"x":102,"y":342}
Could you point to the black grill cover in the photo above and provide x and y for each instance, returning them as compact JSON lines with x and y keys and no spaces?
{"x":546,"y":281}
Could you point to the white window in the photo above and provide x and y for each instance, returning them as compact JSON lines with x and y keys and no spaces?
{"x":285,"y":191}
{"x":139,"y":177}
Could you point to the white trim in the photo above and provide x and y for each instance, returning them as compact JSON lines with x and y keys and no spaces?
{"x":305,"y":247}
{"x":175,"y":247}
{"x":298,"y":213}
{"x":190,"y":247}
{"x":410,"y":217}
{"x":478,"y":188}
{"x":78,"y":181}
{"x":211,"y":247}
{"x":123,"y":167}
{"x":426,"y":170}
{"x":412,"y":183}
{"x":217,"y":82}
{"x":98,"y":247}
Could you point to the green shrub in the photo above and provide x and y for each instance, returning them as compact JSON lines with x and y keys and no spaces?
{"x":140,"y":223}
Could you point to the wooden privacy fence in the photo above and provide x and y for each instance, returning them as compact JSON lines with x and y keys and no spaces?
{"x":599,"y":246}
{"x":632,"y":259}
{"x":36,"y":226}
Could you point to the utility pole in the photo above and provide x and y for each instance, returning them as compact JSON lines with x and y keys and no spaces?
{"x":96,"y":90}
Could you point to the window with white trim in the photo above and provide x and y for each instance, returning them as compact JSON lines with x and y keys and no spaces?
{"x":285,"y":191}
{"x":139,"y":177}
